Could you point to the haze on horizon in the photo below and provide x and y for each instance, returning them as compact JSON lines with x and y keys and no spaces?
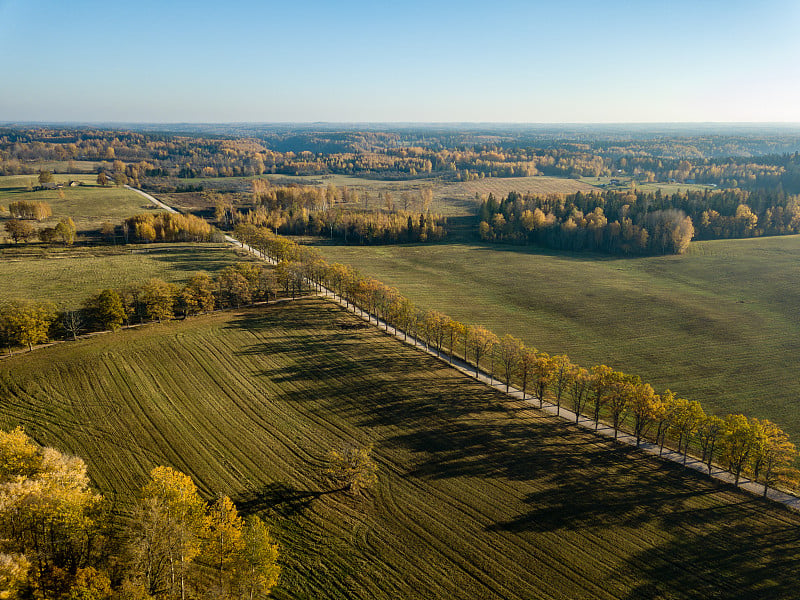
{"x":576,"y":61}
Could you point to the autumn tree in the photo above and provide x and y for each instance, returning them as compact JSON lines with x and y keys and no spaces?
{"x":737,"y":443}
{"x":543,"y":373}
{"x":257,"y":567}
{"x":169,"y":525}
{"x":771,"y":449}
{"x":708,"y":432}
{"x":27,"y":323}
{"x":646,"y":407}
{"x":66,"y":231}
{"x":353,"y":468}
{"x":48,"y":512}
{"x":685,"y":416}
{"x":158,"y":298}
{"x":232,"y":288}
{"x":45,"y":176}
{"x":480,"y":339}
{"x":102,"y":178}
{"x":108,"y":308}
{"x":72,"y":322}
{"x":510,"y":349}
{"x":580,"y":383}
{"x":197,"y":296}
{"x":562,"y":367}
{"x":19,"y":230}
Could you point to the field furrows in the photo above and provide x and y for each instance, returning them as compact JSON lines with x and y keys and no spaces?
{"x":478,"y":496}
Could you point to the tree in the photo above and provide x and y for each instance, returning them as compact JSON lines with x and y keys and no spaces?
{"x":258,"y":570}
{"x":48,"y":512}
{"x":19,"y":230}
{"x":72,"y":322}
{"x":197,"y":295}
{"x":102,"y":178}
{"x":646,"y":406}
{"x":510,"y":350}
{"x":158,"y":298}
{"x":737,"y":442}
{"x":708,"y":432}
{"x":353,"y":468}
{"x":223,"y":544}
{"x":579,"y":385}
{"x":602,"y":384}
{"x":481,"y":339}
{"x":562,"y":367}
{"x":233,"y":288}
{"x":543,"y":373}
{"x":684,"y":418}
{"x":109,"y":309}
{"x":66,"y":230}
{"x":771,"y":450}
{"x":527,"y":367}
{"x":27,"y":323}
{"x":168,"y":527}
{"x":45,"y":176}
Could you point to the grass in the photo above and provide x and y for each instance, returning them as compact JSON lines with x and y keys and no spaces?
{"x":67,"y":276}
{"x":478,"y":497}
{"x":718,"y":325}
{"x":89,"y":205}
{"x":665,"y":187}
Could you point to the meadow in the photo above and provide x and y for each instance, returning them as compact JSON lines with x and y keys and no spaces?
{"x":67,"y":276}
{"x":89,"y":204}
{"x":718,"y":325}
{"x":478,"y":496}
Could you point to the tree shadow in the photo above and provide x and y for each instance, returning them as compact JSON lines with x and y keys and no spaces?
{"x":284,"y":499}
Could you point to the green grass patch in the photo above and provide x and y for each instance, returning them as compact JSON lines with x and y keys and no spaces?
{"x":67,"y":276}
{"x":89,"y":204}
{"x":478,"y":497}
{"x":718,"y":325}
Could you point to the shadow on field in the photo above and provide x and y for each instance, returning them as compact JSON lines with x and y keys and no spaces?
{"x":284,"y":499}
{"x":187,"y":260}
{"x":680,"y":534}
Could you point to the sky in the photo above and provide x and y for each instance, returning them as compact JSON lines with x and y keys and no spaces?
{"x":505,"y":61}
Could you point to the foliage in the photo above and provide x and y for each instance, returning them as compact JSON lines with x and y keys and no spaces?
{"x":353,"y":468}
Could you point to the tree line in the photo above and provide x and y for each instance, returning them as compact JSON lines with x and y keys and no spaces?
{"x":557,"y":222}
{"x":31,"y":323}
{"x":758,"y":448}
{"x":636,"y":222}
{"x":60,"y":540}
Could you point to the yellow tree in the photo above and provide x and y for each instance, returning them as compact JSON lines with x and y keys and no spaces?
{"x":771,"y":450}
{"x":480,"y":340}
{"x":257,"y":571}
{"x":602,"y":386}
{"x":579,"y":385}
{"x":158,"y":298}
{"x":562,"y":367}
{"x":685,"y":417}
{"x":27,"y":323}
{"x":510,"y":350}
{"x":527,"y":367}
{"x":353,"y":468}
{"x":223,"y":543}
{"x":169,"y":525}
{"x":708,"y":433}
{"x":737,"y":444}
{"x":646,"y":406}
{"x":543,"y":373}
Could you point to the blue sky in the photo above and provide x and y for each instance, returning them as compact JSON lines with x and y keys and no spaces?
{"x":501,"y":61}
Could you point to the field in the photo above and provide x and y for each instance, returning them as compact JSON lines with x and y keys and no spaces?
{"x":665,"y":187}
{"x":452,"y":199}
{"x":718,"y":325}
{"x":67,"y":276}
{"x":478,"y":496}
{"x":89,"y":204}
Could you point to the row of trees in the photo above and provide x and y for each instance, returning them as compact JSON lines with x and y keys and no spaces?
{"x":27,"y":209}
{"x":32,"y":323}
{"x":353,"y":227}
{"x":60,"y":540}
{"x":168,"y":227}
{"x":759,"y":448}
{"x":65,"y":231}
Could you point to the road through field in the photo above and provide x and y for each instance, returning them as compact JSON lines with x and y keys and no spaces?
{"x":692,"y":462}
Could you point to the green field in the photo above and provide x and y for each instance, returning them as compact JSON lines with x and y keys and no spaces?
{"x":719,"y":325}
{"x":89,"y":204}
{"x":664,"y":186}
{"x":478,"y":496}
{"x":67,"y":276}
